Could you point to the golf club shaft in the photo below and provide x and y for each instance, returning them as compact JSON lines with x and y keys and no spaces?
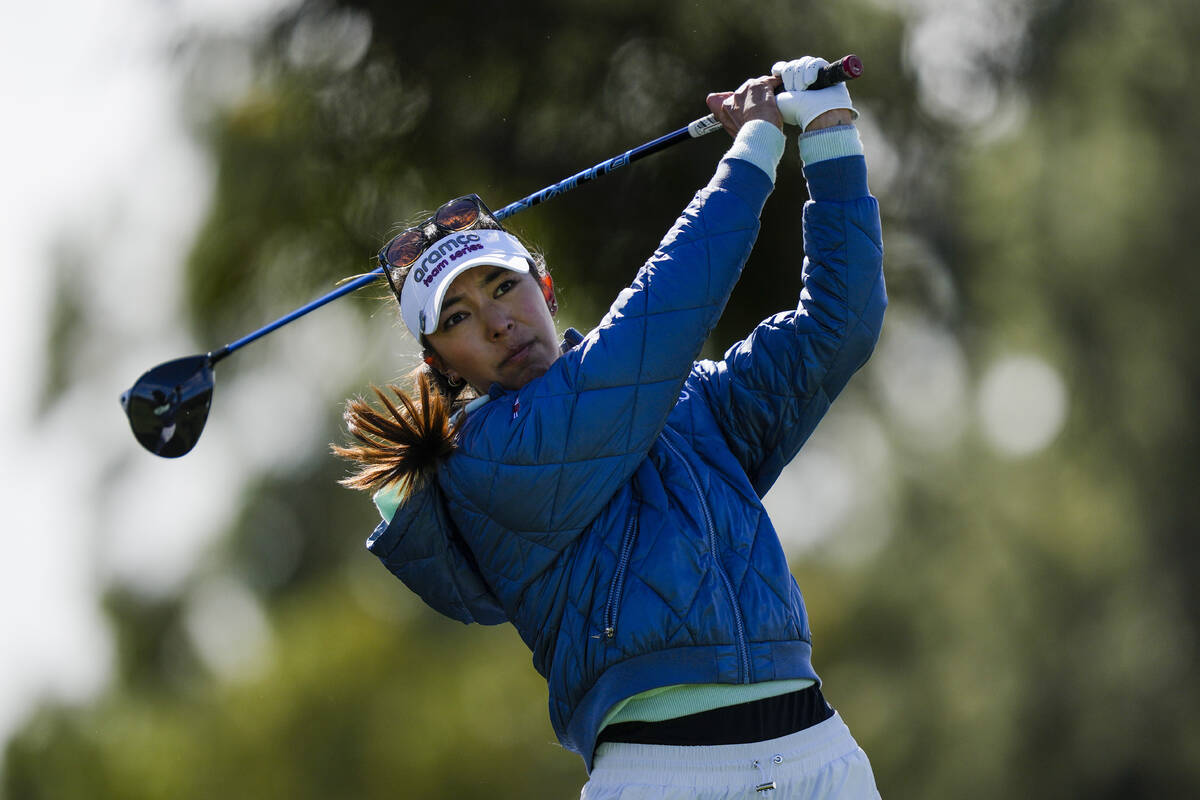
{"x":697,"y":128}
{"x":344,"y":289}
{"x":693,"y":130}
{"x":843,"y":69}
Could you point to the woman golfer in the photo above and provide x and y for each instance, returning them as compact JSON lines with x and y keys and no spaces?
{"x":602,"y":494}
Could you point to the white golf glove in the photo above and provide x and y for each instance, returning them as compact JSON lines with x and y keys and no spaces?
{"x":798,"y":105}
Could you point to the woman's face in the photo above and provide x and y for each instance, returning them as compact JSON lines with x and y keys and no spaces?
{"x":495,"y":327}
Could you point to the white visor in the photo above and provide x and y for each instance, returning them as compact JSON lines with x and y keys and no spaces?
{"x":446,"y":259}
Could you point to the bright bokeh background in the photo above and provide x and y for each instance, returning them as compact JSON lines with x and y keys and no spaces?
{"x":994,"y":528}
{"x":103,"y":195}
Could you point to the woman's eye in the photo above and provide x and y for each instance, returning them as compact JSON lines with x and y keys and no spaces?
{"x":452,"y":320}
{"x":505,"y":285}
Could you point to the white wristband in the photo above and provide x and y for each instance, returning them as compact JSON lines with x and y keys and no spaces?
{"x":760,"y":143}
{"x":827,"y":143}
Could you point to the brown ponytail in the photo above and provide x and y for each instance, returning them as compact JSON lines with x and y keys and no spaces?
{"x":401,"y":443}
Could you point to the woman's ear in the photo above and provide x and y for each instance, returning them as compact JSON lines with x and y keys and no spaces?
{"x":548,"y":292}
{"x":433,"y":361}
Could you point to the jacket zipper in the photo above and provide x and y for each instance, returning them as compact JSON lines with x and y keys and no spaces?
{"x":743,"y":647}
{"x":613,"y":606}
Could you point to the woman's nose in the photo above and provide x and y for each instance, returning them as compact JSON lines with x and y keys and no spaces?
{"x":498,"y":320}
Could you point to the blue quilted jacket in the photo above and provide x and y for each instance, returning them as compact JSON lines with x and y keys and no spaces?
{"x":610,"y":509}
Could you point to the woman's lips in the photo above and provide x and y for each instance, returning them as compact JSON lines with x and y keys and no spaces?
{"x":517,"y":355}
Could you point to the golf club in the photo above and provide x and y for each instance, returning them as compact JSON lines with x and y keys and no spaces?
{"x":168,"y":405}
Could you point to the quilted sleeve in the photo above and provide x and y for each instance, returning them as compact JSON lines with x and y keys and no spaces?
{"x":542,"y":462}
{"x":770,"y":390}
{"x":422,"y":548}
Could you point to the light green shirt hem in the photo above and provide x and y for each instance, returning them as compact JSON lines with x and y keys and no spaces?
{"x":387,"y":500}
{"x":670,"y":702}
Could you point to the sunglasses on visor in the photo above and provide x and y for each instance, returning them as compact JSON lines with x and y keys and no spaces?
{"x":459,"y":214}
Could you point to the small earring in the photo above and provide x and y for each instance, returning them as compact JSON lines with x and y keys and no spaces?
{"x":453,"y":384}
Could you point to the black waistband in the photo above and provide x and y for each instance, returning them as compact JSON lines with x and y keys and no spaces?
{"x":755,"y":721}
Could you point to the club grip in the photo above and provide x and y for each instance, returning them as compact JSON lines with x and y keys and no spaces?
{"x":846,"y":68}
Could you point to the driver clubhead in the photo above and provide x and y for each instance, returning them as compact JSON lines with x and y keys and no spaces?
{"x":168,"y":406}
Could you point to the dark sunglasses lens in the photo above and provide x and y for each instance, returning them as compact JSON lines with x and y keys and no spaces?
{"x":458,"y":214}
{"x":405,"y":248}
{"x":168,"y":406}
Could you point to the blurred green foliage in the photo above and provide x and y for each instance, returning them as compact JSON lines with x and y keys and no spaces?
{"x":1029,"y":627}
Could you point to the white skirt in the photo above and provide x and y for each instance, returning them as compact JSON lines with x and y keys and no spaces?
{"x":823,"y":761}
